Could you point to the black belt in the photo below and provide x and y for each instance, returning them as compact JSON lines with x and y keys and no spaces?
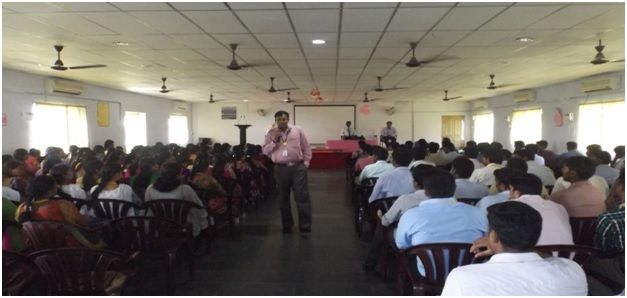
{"x":289,"y":164}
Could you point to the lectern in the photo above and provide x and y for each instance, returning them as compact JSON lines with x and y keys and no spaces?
{"x":242,"y":133}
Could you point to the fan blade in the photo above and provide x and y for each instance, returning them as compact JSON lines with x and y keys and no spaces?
{"x":58,"y":67}
{"x":393,"y":88}
{"x":505,"y":85}
{"x":287,"y":89}
{"x":618,"y":61}
{"x":87,"y":66}
{"x":456,"y":97}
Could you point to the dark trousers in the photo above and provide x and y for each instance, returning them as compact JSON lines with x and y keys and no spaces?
{"x":376,"y":246}
{"x":288,"y":178}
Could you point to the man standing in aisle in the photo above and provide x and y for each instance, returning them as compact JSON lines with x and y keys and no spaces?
{"x":290,"y":151}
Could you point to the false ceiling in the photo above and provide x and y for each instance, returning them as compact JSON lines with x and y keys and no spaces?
{"x":188,"y":42}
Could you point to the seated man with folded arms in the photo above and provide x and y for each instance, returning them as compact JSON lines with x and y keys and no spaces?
{"x":607,"y":273}
{"x":581,"y":199}
{"x":462,"y":169}
{"x":502,"y":178}
{"x":396,"y":182}
{"x":440,"y":218}
{"x":515,"y":269}
{"x":379,"y":167}
{"x":402,"y":204}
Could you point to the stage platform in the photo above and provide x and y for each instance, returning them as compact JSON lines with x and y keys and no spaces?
{"x":328,"y":158}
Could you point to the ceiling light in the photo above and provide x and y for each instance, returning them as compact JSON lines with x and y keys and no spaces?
{"x":120,"y":43}
{"x":318,"y":41}
{"x":524,"y":39}
{"x":245,"y":100}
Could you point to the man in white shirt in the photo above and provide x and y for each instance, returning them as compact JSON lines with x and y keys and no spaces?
{"x":418,"y":155}
{"x":536,"y":157}
{"x":544,"y":173}
{"x":379,"y":167}
{"x":472,"y":153}
{"x":462,"y":169}
{"x":348,"y":132}
{"x":492,"y":158}
{"x":514,"y":269}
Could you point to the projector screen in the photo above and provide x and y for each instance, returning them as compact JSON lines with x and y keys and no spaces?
{"x":322,"y":123}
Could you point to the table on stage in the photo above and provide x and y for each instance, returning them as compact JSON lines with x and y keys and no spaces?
{"x":348,"y":145}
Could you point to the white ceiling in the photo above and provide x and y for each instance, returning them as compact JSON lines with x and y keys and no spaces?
{"x":188,"y":44}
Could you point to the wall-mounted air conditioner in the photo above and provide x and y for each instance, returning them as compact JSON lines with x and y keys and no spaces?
{"x":64,"y":86}
{"x":599,"y":84}
{"x":480,"y":104}
{"x":524,"y":96}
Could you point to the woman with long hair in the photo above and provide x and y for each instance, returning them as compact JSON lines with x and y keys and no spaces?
{"x":168,"y":186}
{"x":64,"y":176}
{"x":91,"y":173}
{"x":109,"y":188}
{"x":147,"y":174}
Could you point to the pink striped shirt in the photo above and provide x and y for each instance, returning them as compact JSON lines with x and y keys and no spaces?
{"x":292,"y":141}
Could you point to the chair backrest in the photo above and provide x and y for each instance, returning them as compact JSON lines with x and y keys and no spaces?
{"x":143,"y":233}
{"x":79,"y":203}
{"x":174,"y":209}
{"x":438,"y":259}
{"x":469,"y":201}
{"x":578,"y":253}
{"x":367,"y":186}
{"x":112,"y":209}
{"x":583,"y":229}
{"x":40,"y":235}
{"x":17,"y":273}
{"x":382,"y":205}
{"x":76,"y":271}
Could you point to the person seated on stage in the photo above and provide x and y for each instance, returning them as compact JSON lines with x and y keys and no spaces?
{"x":515,"y":269}
{"x":462,"y":169}
{"x":396,"y":182}
{"x":379,"y":167}
{"x":388,"y":134}
{"x":348,"y":132}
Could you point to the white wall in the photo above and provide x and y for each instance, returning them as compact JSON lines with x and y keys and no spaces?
{"x":426,"y":119}
{"x":21,"y":90}
{"x":566,"y":96}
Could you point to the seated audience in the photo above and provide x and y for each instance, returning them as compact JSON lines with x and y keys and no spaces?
{"x":581,"y":199}
{"x":109,"y":188}
{"x":365,"y":160}
{"x":619,"y":158}
{"x":168,"y":186}
{"x":440,"y":218}
{"x":419,"y":154}
{"x":518,"y":145}
{"x":434,"y":155}
{"x":449,"y":151}
{"x":526,"y":188}
{"x":11,"y":235}
{"x":602,"y":160}
{"x":592,"y":149}
{"x":571,"y":150}
{"x":408,"y":201}
{"x":8,"y":192}
{"x":20,"y":178}
{"x":536,"y":157}
{"x":462,"y":169}
{"x":472,"y":153}
{"x":492,"y":158}
{"x":544,"y":173}
{"x":550,"y":158}
{"x":379,"y":167}
{"x":146,"y":175}
{"x":514,"y":268}
{"x":396,"y":182}
{"x":502,"y":179}
{"x":609,"y":239}
{"x":64,"y":176}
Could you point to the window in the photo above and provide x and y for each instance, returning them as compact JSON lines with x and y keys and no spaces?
{"x":601,"y":123}
{"x":526,"y":126}
{"x":58,"y":126}
{"x":134,"y":129}
{"x":484,"y":128}
{"x":177,"y":130}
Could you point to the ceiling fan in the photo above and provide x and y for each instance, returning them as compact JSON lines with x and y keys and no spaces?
{"x":58,"y":65}
{"x":366,"y":99}
{"x":272,"y":89}
{"x":379,"y":89}
{"x":164,"y":89}
{"x":234,"y":65}
{"x":446,"y":98}
{"x":600,"y":58}
{"x":493,"y":86}
{"x":289,"y":98}
{"x":413,"y":62}
{"x":211,"y":100}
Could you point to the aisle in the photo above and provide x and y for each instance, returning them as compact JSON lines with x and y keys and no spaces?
{"x":260,"y":260}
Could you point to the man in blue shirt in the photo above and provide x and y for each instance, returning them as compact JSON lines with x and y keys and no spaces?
{"x":440,"y":218}
{"x":462,"y":169}
{"x":502,"y":178}
{"x":396,"y":182}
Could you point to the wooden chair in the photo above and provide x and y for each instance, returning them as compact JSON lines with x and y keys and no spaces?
{"x":438,"y":260}
{"x":154,"y":237}
{"x":361,"y":208}
{"x":583,"y":229}
{"x":18,"y":274}
{"x":578,"y":253}
{"x":469,"y":201}
{"x":80,"y":271}
{"x":112,"y":209}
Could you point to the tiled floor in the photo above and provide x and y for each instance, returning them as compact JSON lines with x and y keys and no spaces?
{"x":260,"y":260}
